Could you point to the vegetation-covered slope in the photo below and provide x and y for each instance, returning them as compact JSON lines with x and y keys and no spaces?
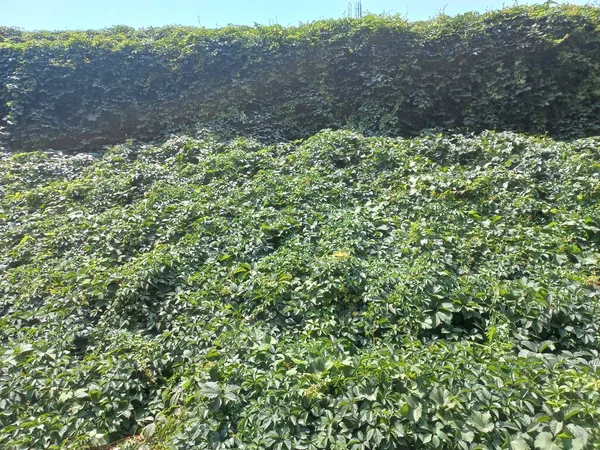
{"x":339,"y":292}
{"x":533,"y":69}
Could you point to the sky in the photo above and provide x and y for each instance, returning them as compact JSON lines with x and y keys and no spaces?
{"x":95,"y":14}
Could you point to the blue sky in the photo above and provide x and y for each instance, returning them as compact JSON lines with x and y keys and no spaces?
{"x":88,"y":14}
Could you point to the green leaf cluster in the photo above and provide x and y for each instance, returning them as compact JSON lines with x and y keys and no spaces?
{"x":533,"y":69}
{"x":337,"y":292}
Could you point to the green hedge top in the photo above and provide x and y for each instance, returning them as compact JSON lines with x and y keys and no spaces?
{"x":533,"y":69}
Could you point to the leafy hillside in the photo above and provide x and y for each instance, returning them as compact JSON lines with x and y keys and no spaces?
{"x":533,"y":69}
{"x":337,"y":292}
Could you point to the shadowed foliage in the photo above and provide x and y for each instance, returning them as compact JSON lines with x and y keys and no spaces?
{"x":533,"y":69}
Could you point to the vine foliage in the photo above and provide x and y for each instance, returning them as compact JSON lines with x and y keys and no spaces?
{"x":534,"y":69}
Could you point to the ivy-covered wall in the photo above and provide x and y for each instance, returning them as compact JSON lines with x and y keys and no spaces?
{"x":531,"y":69}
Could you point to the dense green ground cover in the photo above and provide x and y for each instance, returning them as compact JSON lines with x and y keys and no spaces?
{"x":338,"y":292}
{"x":533,"y":69}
